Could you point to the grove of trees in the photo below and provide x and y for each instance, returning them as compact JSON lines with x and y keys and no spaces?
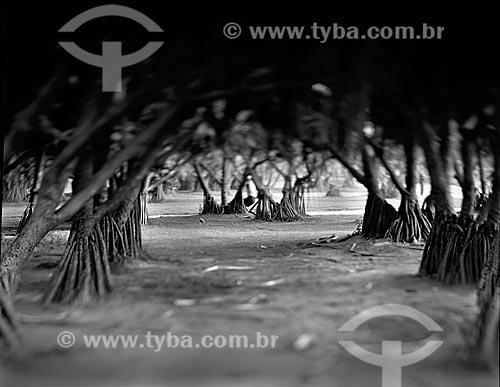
{"x":220,"y":114}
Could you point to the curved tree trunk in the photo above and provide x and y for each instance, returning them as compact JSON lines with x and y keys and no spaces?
{"x":159,"y":195}
{"x":445,"y":233}
{"x":9,"y":323}
{"x":210,"y":205}
{"x":378,"y":214}
{"x":470,"y":244}
{"x":265,"y":207}
{"x":237,"y":204}
{"x":286,"y":210}
{"x":486,"y":328}
{"x":83,"y":273}
{"x":37,"y":177}
{"x":411,"y":225}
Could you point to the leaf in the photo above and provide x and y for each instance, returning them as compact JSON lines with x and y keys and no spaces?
{"x":304,"y":341}
{"x":270,"y":283}
{"x":185,"y":302}
{"x":223,"y":267}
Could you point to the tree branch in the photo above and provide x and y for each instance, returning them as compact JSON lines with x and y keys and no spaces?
{"x":142,"y":143}
{"x":357,"y":175}
{"x":379,"y":153}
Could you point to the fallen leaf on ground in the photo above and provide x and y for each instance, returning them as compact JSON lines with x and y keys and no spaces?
{"x":272,"y":282}
{"x":185,"y":302}
{"x":257,"y":299}
{"x":224,"y":267}
{"x":304,"y":341}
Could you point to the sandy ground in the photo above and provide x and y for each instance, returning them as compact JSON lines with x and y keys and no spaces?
{"x":315,"y":291}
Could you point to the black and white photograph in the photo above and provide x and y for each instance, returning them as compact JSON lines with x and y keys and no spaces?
{"x":241,"y":196}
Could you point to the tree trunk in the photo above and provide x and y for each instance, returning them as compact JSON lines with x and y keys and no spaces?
{"x":446,"y":235}
{"x":37,"y":178}
{"x":468,"y":177}
{"x":210,"y":205}
{"x":469,"y":243}
{"x":486,"y":327}
{"x":378,"y":214}
{"x":481,"y":169}
{"x":159,"y":195}
{"x":440,"y":191}
{"x":286,"y":211}
{"x":237,"y":205}
{"x":9,"y":323}
{"x":411,"y":225}
{"x":83,"y":274}
{"x":21,"y":249}
{"x":224,"y":181}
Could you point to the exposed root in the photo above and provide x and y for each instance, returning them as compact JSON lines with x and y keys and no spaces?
{"x":83,"y":275}
{"x":123,"y":242}
{"x":10,"y":337}
{"x":487,"y":325}
{"x":452,"y":247}
{"x":378,"y":216}
{"x":428,"y":209}
{"x":286,"y":211}
{"x":159,"y":195}
{"x":237,"y":205}
{"x":411,"y":225}
{"x":467,"y":267}
{"x":210,"y":205}
{"x":456,"y":250}
{"x":265,"y":208}
{"x":143,"y":208}
{"x":445,"y":234}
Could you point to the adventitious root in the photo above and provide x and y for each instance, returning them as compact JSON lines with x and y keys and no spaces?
{"x":122,"y":242}
{"x":411,"y":225}
{"x":298,"y":198}
{"x":286,"y":211}
{"x":487,"y":324}
{"x":445,"y":234}
{"x":290,"y":208}
{"x":428,"y":209}
{"x":237,"y":205}
{"x":143,"y":208}
{"x":466,"y":268}
{"x":453,"y":245}
{"x":10,"y":338}
{"x":378,"y":217}
{"x":210,"y":205}
{"x":456,"y":250}
{"x":16,"y":186}
{"x":83,"y":275}
{"x":159,"y":195}
{"x":487,"y":330}
{"x":265,"y":208}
